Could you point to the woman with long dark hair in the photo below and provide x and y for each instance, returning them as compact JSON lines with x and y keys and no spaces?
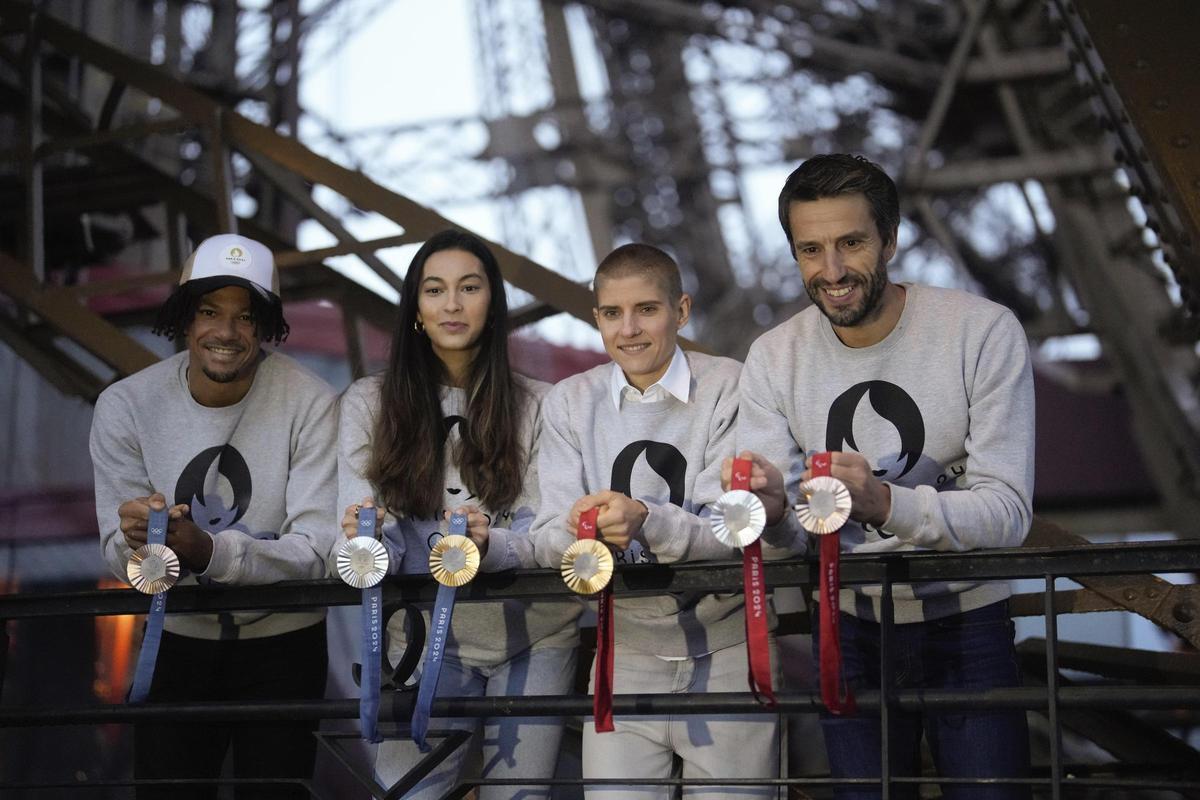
{"x":449,"y":427}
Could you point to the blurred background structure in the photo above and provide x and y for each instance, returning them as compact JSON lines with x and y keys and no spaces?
{"x":1047,"y":152}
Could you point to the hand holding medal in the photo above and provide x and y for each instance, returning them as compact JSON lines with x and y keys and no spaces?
{"x":823,"y":508}
{"x":738,"y":519}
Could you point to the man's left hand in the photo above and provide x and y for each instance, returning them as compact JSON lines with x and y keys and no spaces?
{"x":191,"y":543}
{"x":871,"y":497}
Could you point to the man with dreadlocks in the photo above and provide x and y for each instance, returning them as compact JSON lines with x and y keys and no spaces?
{"x":238,"y":442}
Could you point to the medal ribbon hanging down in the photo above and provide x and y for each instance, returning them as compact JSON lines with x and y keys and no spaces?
{"x":153,"y":569}
{"x":363,"y":564}
{"x":825,"y":511}
{"x":602,"y":700}
{"x":587,"y":569}
{"x":453,"y":562}
{"x":744,"y":517}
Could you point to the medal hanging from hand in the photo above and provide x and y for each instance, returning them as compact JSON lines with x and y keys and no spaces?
{"x":152,"y":569}
{"x":823,"y":509}
{"x":453,"y":562}
{"x":738,"y":519}
{"x":362,"y":563}
{"x":587,"y":568}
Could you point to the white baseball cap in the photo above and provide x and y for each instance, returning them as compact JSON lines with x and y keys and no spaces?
{"x":229,"y":259}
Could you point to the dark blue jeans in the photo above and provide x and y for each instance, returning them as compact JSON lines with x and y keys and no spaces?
{"x":965,"y":651}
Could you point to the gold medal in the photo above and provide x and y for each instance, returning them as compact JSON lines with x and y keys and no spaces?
{"x":362,"y":562}
{"x":153,"y":568}
{"x":738,"y":518}
{"x":454,"y":560}
{"x":587,"y":566}
{"x":825,"y":505}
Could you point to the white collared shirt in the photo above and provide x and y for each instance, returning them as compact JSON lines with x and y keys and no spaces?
{"x":675,"y":382}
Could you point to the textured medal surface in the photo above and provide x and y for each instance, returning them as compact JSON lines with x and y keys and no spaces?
{"x":362,"y":562}
{"x":825,"y":505}
{"x":738,"y":518}
{"x":454,"y":560}
{"x":587,"y":566}
{"x":153,"y":568}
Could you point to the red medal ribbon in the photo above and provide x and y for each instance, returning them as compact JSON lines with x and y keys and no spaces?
{"x":831,"y":585}
{"x":758,"y":648}
{"x":602,"y":700}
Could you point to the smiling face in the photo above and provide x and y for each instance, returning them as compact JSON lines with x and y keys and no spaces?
{"x":453,"y":301}
{"x":223,"y":346}
{"x":843,"y":261}
{"x":639,"y":325}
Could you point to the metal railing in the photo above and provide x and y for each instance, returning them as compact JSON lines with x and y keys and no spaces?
{"x":1053,"y":699}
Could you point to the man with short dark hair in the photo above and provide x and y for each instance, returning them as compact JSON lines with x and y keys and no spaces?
{"x":239,"y":444}
{"x":924,"y":397}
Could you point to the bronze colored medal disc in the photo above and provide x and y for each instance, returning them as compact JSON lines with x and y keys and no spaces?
{"x":362,"y":562}
{"x":153,"y":568}
{"x":738,"y":518}
{"x":587,"y":566}
{"x":824,"y":506}
{"x":454,"y":560}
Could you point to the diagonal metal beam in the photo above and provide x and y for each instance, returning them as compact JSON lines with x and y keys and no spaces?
{"x":59,"y":308}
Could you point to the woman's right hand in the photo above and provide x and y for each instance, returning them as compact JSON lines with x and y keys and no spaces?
{"x":350,"y":518}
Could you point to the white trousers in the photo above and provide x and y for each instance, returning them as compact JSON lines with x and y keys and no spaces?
{"x":710,"y":746}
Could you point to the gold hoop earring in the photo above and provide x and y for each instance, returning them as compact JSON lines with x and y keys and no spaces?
{"x":418,"y":326}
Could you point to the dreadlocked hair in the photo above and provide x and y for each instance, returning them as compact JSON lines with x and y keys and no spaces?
{"x":177,"y":312}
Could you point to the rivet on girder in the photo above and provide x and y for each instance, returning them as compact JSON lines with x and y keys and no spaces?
{"x":1141,"y":63}
{"x":1181,"y":141}
{"x":1152,"y":593}
{"x":1130,"y":595}
{"x":1161,"y":104}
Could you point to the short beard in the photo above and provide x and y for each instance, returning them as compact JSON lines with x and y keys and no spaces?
{"x":873,"y":287}
{"x":222,"y":377}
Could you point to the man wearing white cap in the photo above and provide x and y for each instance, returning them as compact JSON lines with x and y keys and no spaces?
{"x":239,"y":443}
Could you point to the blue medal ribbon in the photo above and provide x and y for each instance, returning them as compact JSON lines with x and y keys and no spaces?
{"x":156,"y":533}
{"x":372,"y":644}
{"x":439,"y":629}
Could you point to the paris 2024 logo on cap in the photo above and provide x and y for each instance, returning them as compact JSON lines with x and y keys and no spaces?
{"x":236,"y":256}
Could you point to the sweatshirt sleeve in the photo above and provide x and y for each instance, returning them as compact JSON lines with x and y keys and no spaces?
{"x":560,"y":480}
{"x":995,"y":510}
{"x":763,"y":428}
{"x":356,"y":425}
{"x":512,"y":547}
{"x":675,"y":534}
{"x":120,"y":475}
{"x":309,"y":527}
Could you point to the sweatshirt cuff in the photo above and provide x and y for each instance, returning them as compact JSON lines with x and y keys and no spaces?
{"x":783,"y":533}
{"x":656,"y":530}
{"x":905,"y":518}
{"x":221,"y":565}
{"x":499,"y":554}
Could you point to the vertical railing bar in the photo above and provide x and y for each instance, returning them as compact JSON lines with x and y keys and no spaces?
{"x":887,"y":682}
{"x":1052,"y":691}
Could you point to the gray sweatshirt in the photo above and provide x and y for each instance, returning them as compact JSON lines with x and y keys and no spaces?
{"x":590,"y":446}
{"x":942,"y":409}
{"x":480,"y":633}
{"x":258,"y":475}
